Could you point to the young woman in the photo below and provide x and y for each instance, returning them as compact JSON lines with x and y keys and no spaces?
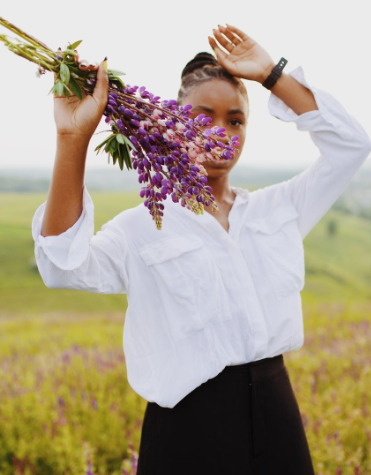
{"x":214,"y":299}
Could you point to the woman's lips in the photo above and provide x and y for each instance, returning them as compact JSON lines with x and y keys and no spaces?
{"x":218,"y":162}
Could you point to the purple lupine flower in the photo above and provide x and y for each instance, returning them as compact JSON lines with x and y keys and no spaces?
{"x":167,"y":143}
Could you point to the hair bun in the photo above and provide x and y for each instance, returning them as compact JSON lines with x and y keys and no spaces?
{"x":198,"y":61}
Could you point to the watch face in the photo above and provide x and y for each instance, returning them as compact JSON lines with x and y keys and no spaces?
{"x":275,"y":73}
{"x":281,"y":64}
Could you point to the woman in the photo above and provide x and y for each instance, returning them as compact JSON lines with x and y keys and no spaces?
{"x":214,"y":299}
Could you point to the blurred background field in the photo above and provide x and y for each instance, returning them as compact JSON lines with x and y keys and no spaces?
{"x":63,"y":387}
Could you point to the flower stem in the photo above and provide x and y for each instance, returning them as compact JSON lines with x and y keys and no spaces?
{"x":22,"y":34}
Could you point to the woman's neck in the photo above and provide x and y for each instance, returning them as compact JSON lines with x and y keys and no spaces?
{"x":222,"y":191}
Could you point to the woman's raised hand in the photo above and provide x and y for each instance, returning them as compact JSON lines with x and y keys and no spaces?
{"x":243,"y":57}
{"x":78,"y":118}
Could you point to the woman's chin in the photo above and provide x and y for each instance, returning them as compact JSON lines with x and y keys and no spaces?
{"x":216,"y":168}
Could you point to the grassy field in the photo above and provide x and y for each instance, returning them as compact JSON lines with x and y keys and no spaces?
{"x":63,"y":387}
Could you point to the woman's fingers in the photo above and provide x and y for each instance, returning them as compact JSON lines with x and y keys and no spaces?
{"x":238,"y":32}
{"x":235,"y":40}
{"x":223,"y":40}
{"x":100,"y":92}
{"x":85,"y":65}
{"x":220,"y":54}
{"x":76,"y":56}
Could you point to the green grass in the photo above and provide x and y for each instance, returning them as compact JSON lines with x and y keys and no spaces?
{"x":339,"y":266}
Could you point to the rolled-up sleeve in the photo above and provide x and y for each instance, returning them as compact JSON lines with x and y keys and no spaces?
{"x":343,"y":145}
{"x":78,"y":258}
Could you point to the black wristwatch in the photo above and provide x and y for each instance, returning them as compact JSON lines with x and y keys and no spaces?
{"x":275,"y":74}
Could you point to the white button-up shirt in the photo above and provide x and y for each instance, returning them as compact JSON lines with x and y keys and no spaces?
{"x":199,"y":297}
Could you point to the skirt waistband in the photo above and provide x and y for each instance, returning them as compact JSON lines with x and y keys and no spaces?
{"x":259,"y":369}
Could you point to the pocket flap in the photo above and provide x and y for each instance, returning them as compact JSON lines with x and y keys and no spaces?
{"x":168,"y":248}
{"x":271,"y":222}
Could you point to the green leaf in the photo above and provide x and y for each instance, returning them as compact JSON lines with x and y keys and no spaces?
{"x":113,"y":145}
{"x":129,"y":142}
{"x":107,"y":147}
{"x":115,"y":156}
{"x":74,"y":45}
{"x":75,"y":88}
{"x":107,"y":139}
{"x":129,"y":157}
{"x":115,"y":72}
{"x":116,"y":81}
{"x":69,"y":51}
{"x":59,"y":88}
{"x":120,"y":138}
{"x":66,"y":91}
{"x":120,"y":158}
{"x":65,"y":73}
{"x":125,"y":155}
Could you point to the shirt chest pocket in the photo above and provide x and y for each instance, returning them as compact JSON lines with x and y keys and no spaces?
{"x":280,"y":247}
{"x":189,"y":282}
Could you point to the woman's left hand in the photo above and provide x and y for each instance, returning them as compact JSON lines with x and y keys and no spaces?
{"x":245,"y":58}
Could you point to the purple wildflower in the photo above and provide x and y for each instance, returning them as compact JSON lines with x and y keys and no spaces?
{"x":167,"y":148}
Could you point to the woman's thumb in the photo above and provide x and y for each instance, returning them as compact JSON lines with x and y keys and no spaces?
{"x":100,"y":92}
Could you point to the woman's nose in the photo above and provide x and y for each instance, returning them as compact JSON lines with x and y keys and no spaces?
{"x":224,"y":140}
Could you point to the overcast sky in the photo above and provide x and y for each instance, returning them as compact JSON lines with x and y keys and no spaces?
{"x":152,"y":41}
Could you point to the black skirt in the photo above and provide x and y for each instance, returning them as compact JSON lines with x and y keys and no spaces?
{"x":244,"y":421}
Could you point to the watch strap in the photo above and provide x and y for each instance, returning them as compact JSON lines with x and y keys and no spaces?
{"x":275,"y":74}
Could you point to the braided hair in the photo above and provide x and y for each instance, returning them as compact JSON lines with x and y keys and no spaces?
{"x":205,"y":67}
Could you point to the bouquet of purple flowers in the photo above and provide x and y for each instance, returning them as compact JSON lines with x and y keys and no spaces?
{"x":157,"y":138}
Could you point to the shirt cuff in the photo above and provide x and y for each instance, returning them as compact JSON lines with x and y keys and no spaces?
{"x":69,"y":249}
{"x":330,"y":112}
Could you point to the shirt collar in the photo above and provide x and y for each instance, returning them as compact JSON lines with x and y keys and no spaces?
{"x":242,"y":194}
{"x":208,"y":222}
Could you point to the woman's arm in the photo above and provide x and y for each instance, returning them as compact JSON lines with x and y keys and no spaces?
{"x":296,"y":96}
{"x":76,"y":122}
{"x":343,"y":146}
{"x":68,"y":254}
{"x":64,"y":202}
{"x":248,"y":60}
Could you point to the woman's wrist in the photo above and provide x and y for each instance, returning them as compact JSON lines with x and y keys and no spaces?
{"x":80,"y":140}
{"x":72,"y":148}
{"x":72,"y":145}
{"x":266,"y":72}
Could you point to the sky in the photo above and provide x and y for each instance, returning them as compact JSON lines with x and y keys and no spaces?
{"x":152,"y":42}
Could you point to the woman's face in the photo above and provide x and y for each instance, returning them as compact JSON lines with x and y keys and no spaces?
{"x":227,"y":107}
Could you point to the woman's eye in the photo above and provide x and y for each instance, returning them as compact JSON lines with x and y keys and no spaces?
{"x":236,"y":122}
